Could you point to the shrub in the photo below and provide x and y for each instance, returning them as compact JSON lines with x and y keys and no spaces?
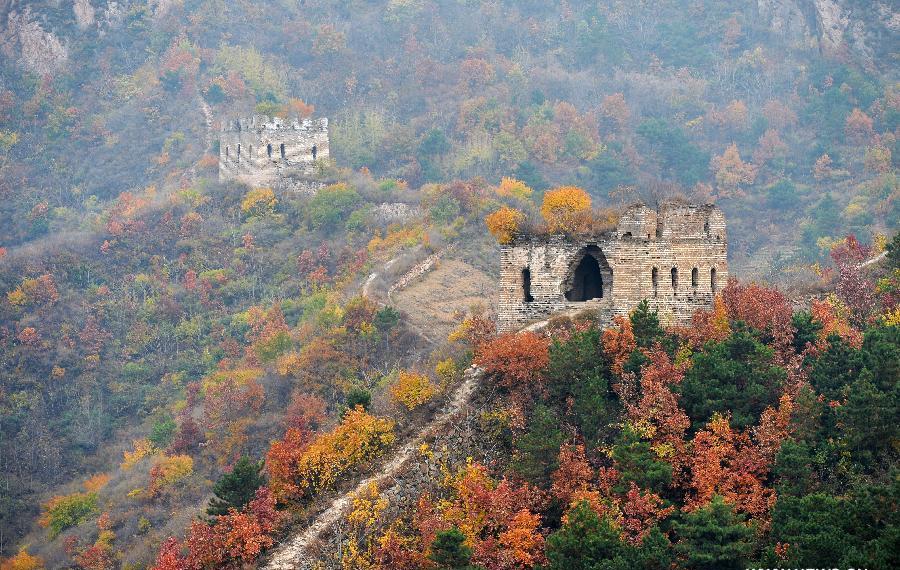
{"x":412,"y":390}
{"x":64,"y":512}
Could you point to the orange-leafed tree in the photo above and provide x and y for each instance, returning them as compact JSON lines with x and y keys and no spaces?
{"x":835,"y":320}
{"x":858,"y":126}
{"x":618,"y":343}
{"x":516,"y":359}
{"x":574,"y":475}
{"x":499,"y":520}
{"x":298,"y":108}
{"x":615,"y":111}
{"x":22,"y":560}
{"x":658,"y":406}
{"x":567,"y":210}
{"x":727,"y":463}
{"x":282,"y":461}
{"x":504,"y":223}
{"x":732,"y":173}
{"x":510,"y":187}
{"x":169,"y":556}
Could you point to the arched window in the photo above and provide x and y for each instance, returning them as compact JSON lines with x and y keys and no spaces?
{"x":695,"y":277}
{"x":674,"y":278}
{"x":655,"y":278}
{"x":269,"y":150}
{"x":282,"y":150}
{"x":227,"y":153}
{"x":526,"y":286}
{"x":586,"y":280}
{"x":239,"y":153}
{"x":712,"y":279}
{"x":314,"y":151}
{"x":706,"y":227}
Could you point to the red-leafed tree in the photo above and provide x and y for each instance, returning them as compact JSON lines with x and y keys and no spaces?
{"x":619,"y":343}
{"x":574,"y":475}
{"x":658,"y":407}
{"x":515,"y":359}
{"x":727,"y":463}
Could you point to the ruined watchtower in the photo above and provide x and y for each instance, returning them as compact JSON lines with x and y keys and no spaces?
{"x":675,"y":258}
{"x":263,"y":151}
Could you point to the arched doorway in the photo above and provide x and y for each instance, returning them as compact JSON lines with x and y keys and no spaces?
{"x":590,"y":278}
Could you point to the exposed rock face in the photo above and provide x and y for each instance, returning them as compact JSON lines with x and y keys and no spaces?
{"x":84,"y":14}
{"x":35,"y":49}
{"x":786,"y":19}
{"x":840,"y":28}
{"x":675,"y":258}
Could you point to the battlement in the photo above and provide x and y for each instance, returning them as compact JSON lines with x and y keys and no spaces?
{"x":675,"y":257}
{"x":263,"y":151}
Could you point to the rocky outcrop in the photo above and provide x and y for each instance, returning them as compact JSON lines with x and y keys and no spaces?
{"x":25,"y":41}
{"x":788,"y":20}
{"x":866,"y":32}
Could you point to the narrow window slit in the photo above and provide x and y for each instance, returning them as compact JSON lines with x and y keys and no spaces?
{"x":526,"y":285}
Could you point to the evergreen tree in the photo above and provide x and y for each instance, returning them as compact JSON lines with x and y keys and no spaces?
{"x":579,"y":373}
{"x":449,"y":550}
{"x":358,"y":397}
{"x":537,"y":450}
{"x":636,"y":461}
{"x":713,"y":538}
{"x":237,"y":488}
{"x":645,"y":325}
{"x":734,"y":375}
{"x":807,"y":330}
{"x":589,"y":542}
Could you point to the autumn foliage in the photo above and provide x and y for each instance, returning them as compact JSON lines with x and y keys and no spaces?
{"x":412,"y":389}
{"x":566,"y":210}
{"x":504,"y":223}
{"x":299,"y":467}
{"x":516,"y":359}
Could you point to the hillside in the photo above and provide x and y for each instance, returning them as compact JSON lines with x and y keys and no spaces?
{"x":158,"y":325}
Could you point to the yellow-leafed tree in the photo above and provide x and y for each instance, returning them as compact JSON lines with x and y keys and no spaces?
{"x":567,"y":210}
{"x":504,"y":223}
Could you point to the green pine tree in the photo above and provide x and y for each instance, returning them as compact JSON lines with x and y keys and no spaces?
{"x":449,"y":550}
{"x":236,"y":489}
{"x":713,"y":538}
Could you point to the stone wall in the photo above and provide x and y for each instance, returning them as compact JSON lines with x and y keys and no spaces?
{"x":635,"y":262}
{"x":262,"y":151}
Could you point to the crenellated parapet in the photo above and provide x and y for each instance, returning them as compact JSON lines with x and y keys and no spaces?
{"x":262,"y":150}
{"x":675,"y":257}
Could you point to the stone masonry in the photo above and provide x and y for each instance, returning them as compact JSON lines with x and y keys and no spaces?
{"x":675,"y":258}
{"x":266,"y":151}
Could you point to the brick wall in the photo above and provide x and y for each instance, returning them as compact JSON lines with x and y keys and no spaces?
{"x":262,"y":150}
{"x":684,"y":237}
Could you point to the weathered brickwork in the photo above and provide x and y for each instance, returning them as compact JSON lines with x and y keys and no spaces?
{"x":675,"y":258}
{"x":265,"y":151}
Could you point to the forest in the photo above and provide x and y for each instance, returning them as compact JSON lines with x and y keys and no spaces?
{"x":192,"y":370}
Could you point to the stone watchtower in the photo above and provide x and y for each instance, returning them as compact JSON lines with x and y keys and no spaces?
{"x":263,"y":151}
{"x":675,"y":258}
